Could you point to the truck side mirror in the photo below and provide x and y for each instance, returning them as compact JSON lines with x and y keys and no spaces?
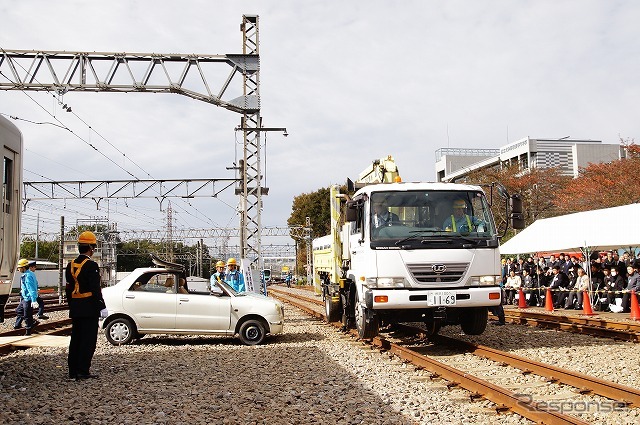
{"x":351,"y":213}
{"x":350,"y":186}
{"x":517,"y":214}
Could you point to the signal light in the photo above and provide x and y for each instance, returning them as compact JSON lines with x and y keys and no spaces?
{"x":494,"y":295}
{"x":381,"y":299}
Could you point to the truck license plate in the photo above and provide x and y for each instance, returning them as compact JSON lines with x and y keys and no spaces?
{"x":441,"y":298}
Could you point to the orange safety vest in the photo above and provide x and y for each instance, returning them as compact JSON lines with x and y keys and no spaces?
{"x":75,"y":271}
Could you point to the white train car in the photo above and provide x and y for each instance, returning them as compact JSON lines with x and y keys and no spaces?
{"x":11,"y":142}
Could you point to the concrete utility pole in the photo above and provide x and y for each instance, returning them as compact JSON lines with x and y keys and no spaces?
{"x":63,"y":71}
{"x":309,"y":258}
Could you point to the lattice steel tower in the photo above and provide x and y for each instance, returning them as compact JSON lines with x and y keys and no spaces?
{"x":251,"y":196}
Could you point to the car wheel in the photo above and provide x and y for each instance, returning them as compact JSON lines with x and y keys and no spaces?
{"x":252,"y":332}
{"x":120,"y":331}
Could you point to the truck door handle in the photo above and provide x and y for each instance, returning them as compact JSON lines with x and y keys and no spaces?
{"x":184,"y":300}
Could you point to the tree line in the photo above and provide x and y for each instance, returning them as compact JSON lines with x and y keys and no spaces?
{"x":131,"y":254}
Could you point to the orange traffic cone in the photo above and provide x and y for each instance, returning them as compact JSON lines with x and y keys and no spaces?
{"x":635,"y":308}
{"x":522,"y":302}
{"x":586,"y":304}
{"x":548,"y":300}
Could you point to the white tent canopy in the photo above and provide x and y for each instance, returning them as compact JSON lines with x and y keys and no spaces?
{"x":589,"y":231}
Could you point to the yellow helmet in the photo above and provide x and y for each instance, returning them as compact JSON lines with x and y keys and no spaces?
{"x":459,"y":203}
{"x":88,"y":238}
{"x":232,"y":262}
{"x":23,"y":262}
{"x":220,"y":264}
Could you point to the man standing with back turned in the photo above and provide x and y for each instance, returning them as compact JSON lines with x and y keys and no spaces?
{"x":85,"y":303}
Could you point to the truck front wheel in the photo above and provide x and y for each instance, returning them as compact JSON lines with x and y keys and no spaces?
{"x":473,"y":321}
{"x":366,"y":321}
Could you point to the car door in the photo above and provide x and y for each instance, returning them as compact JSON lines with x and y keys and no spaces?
{"x":151,"y":303}
{"x":203,"y":312}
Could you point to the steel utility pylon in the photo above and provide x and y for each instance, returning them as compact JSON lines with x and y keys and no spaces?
{"x":185,"y":74}
{"x":251,"y":175}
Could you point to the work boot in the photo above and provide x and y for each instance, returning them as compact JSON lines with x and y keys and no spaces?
{"x":43,"y":317}
{"x":89,"y":376}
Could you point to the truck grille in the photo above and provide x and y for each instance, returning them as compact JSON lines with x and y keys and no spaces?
{"x":433,"y":273}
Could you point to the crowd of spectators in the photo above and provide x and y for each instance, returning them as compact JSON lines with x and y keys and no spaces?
{"x":609,"y":280}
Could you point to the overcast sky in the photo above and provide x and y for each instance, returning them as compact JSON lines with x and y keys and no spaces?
{"x":351,"y":81}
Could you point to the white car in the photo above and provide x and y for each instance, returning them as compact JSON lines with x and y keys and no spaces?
{"x":158,"y":301}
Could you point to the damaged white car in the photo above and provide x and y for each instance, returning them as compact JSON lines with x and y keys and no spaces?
{"x":158,"y":300}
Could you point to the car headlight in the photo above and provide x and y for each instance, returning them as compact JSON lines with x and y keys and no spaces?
{"x":484,"y":280}
{"x":385,"y":282}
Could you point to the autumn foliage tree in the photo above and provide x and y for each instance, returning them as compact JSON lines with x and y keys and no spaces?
{"x":537,"y":187}
{"x":604,"y":185}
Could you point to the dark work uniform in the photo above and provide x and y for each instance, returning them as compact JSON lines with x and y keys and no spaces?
{"x":85,"y":302}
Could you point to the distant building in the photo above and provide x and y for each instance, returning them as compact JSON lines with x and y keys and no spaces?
{"x":454,"y":164}
{"x":104,"y":256}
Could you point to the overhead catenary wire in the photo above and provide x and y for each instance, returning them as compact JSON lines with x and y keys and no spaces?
{"x":63,"y":126}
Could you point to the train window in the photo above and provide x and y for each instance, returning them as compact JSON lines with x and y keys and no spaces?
{"x":7,"y":184}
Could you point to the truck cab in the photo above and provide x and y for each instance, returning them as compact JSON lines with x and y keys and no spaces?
{"x":423,"y":252}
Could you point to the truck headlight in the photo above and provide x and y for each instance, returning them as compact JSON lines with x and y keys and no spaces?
{"x":484,"y":280}
{"x":385,"y":282}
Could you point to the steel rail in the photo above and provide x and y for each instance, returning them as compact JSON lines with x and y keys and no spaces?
{"x":504,"y":399}
{"x":296,"y":296}
{"x":625,"y":331}
{"x":59,"y":327}
{"x":10,"y":311}
{"x":479,"y":387}
{"x":585,"y":383}
{"x":288,"y":298}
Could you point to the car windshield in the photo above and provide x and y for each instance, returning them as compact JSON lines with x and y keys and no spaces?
{"x":430,"y":216}
{"x":223,"y":284}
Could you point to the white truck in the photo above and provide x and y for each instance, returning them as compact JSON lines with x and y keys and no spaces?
{"x":425,"y":263}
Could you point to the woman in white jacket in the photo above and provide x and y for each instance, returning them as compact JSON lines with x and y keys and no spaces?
{"x":512,"y":285}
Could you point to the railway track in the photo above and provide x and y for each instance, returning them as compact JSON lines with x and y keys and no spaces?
{"x":588,"y":325}
{"x":540,"y":392}
{"x":15,"y":338}
{"x":51,"y":304}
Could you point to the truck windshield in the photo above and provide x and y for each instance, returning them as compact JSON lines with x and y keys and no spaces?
{"x":421,"y":215}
